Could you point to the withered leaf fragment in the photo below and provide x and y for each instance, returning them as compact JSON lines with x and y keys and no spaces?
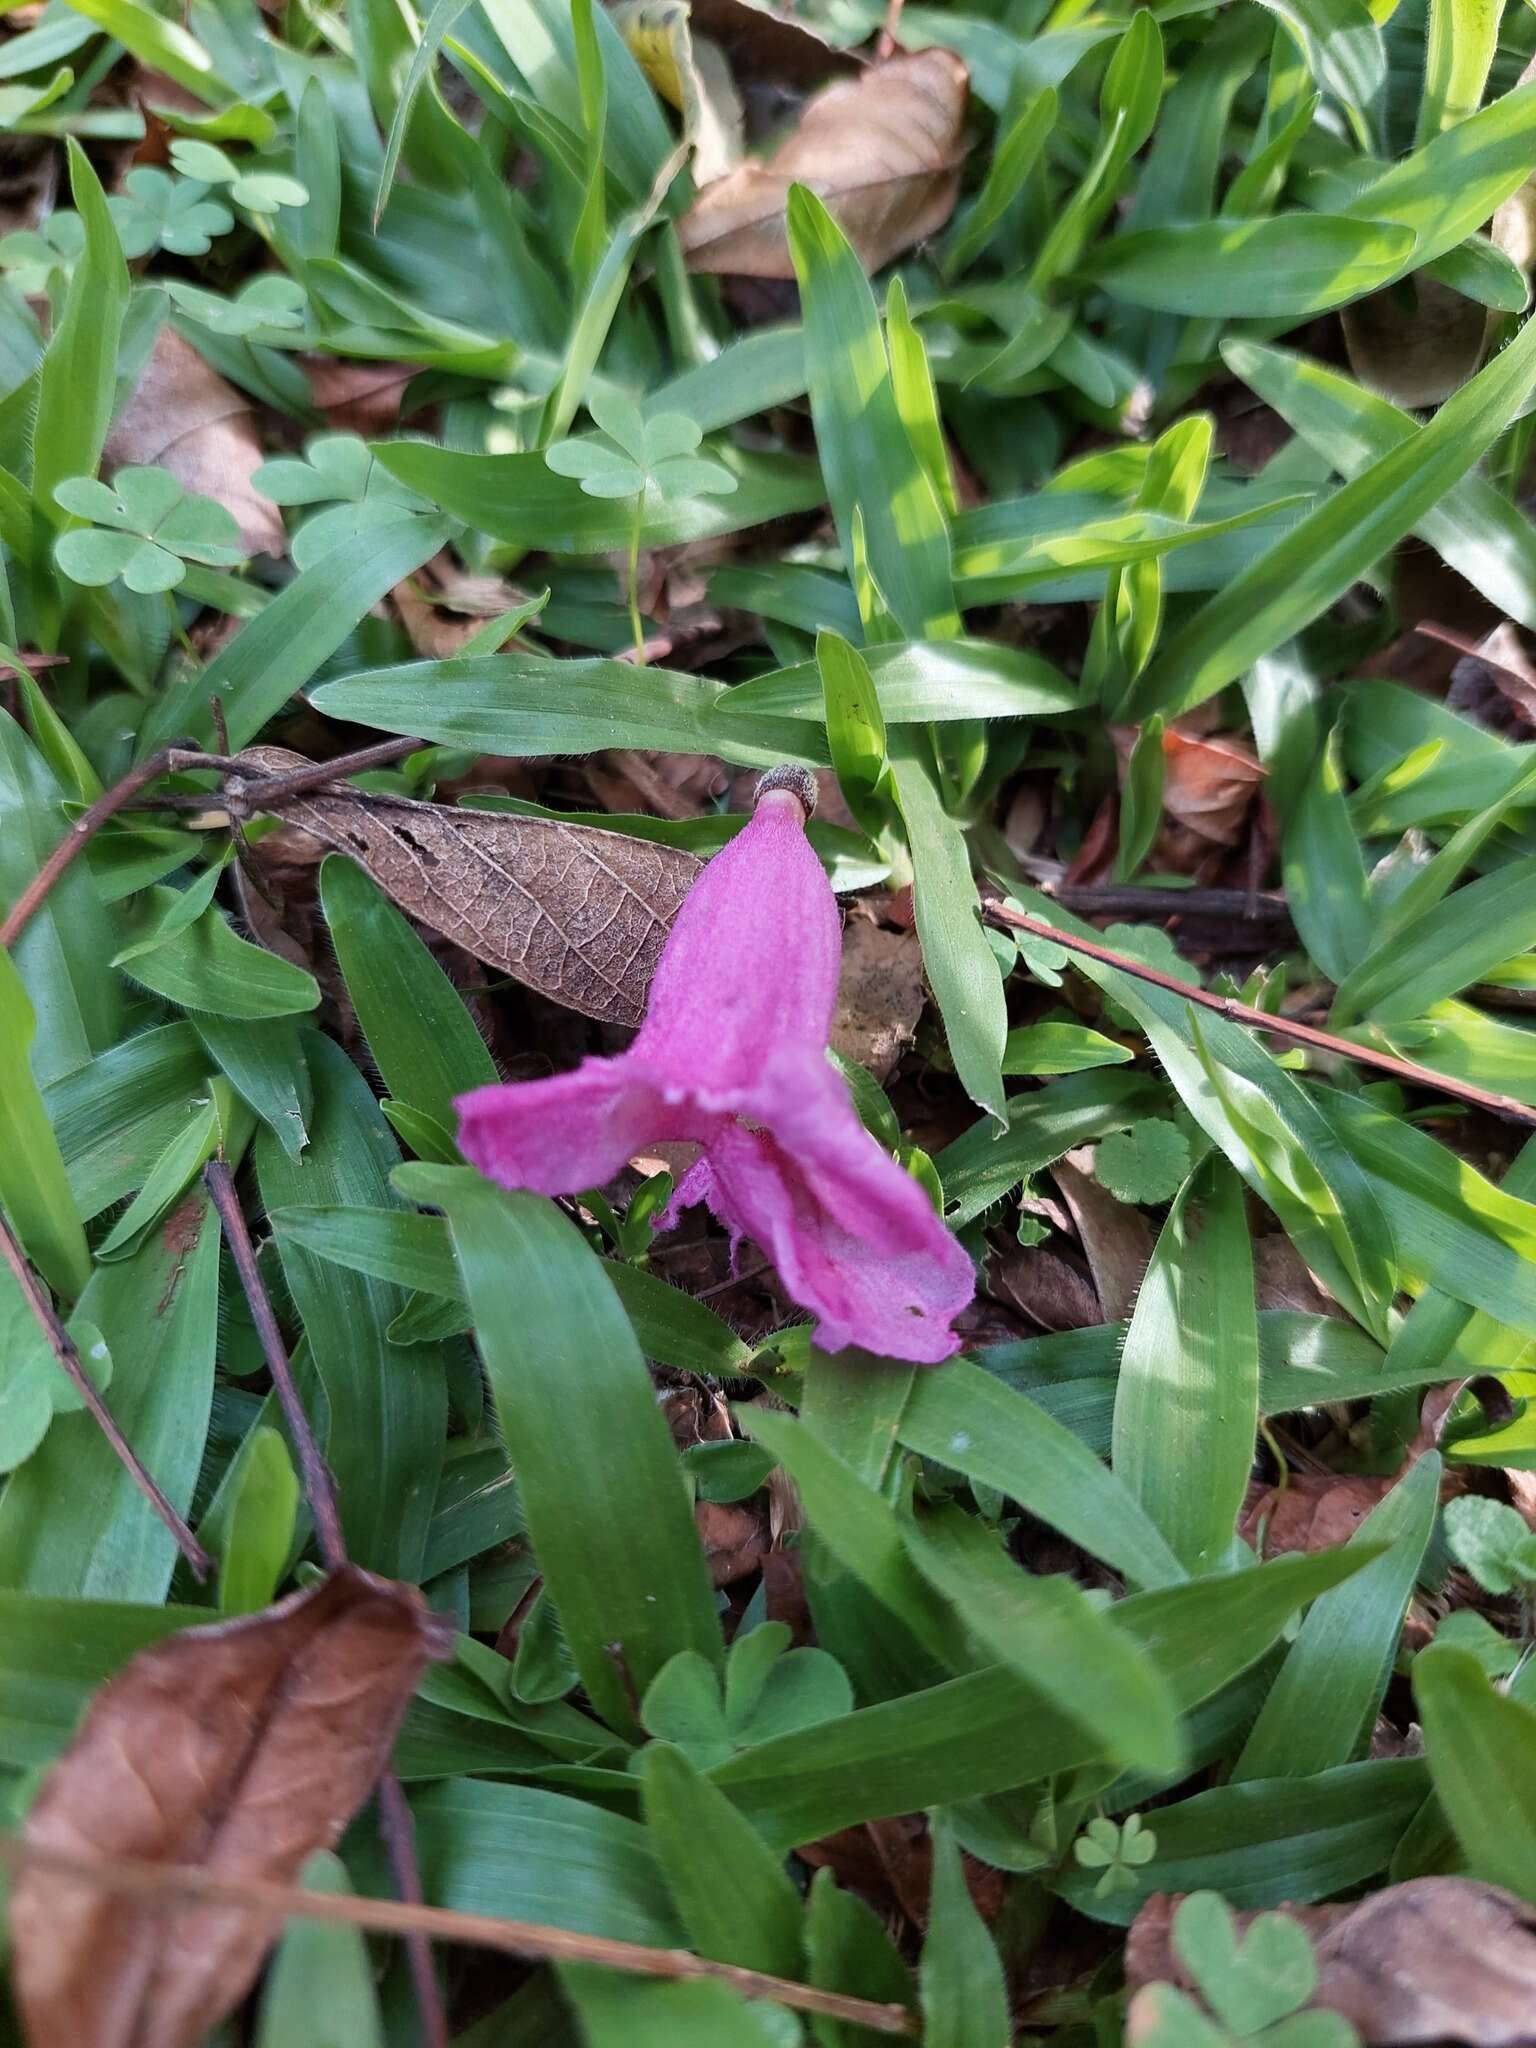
{"x":577,"y":913}
{"x":241,"y":1749}
{"x":883,"y":151}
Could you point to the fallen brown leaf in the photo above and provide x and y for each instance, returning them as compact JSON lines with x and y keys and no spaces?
{"x":765,"y":45}
{"x":1044,"y":1287}
{"x":1209,"y":780}
{"x":1495,"y":682}
{"x":240,"y":1749}
{"x":1313,"y":1510}
{"x":576,"y":913}
{"x":183,"y":416}
{"x":883,"y":151}
{"x":1420,"y":354}
{"x":1438,"y":1959}
{"x":879,"y":996}
{"x":1116,"y":1238}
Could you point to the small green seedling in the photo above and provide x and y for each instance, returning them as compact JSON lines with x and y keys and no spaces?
{"x":1118,"y":1850}
{"x":632,"y":455}
{"x":1491,"y":1541}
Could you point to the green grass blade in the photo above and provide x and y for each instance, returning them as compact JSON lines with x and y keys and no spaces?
{"x":1187,"y":1409}
{"x":601,"y":1491}
{"x":1317,"y":561}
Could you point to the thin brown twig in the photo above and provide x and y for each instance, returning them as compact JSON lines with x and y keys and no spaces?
{"x":174,"y":760}
{"x":167,"y":1885}
{"x":396,"y":1823}
{"x":1263,"y":1020}
{"x":62,"y":1345}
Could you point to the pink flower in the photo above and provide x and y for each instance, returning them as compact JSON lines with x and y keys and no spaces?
{"x":732,"y":1055}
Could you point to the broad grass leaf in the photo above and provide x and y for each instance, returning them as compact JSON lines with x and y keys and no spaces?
{"x":581,"y":1424}
{"x":387,"y":1405}
{"x":1482,"y":1758}
{"x":1287,"y":265}
{"x":1296,"y":580}
{"x":418,"y":1030}
{"x":241,"y":1748}
{"x":72,"y":1522}
{"x":1472,"y":525}
{"x":520,"y":704}
{"x":733,"y":1893}
{"x":34,"y":1182}
{"x":1323,"y":1704}
{"x":1271,"y":1842}
{"x":1187,"y":1409}
{"x":965,"y":1995}
{"x":76,"y":392}
{"x":883,"y":150}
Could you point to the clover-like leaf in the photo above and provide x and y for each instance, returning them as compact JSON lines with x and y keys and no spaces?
{"x":1117,"y":1849}
{"x":145,"y":529}
{"x":1147,"y":1163}
{"x":269,"y":308}
{"x":1492,"y":1541}
{"x":632,"y":453}
{"x":602,"y":470}
{"x":257,"y":191}
{"x":157,"y":211}
{"x":337,"y":471}
{"x":30,"y":256}
{"x":1248,"y":1982}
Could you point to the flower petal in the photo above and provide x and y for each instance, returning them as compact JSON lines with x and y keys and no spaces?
{"x":854,"y":1237}
{"x":751,"y":964}
{"x":572,"y":1131}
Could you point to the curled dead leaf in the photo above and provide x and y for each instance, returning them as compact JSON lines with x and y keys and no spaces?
{"x":240,"y":1749}
{"x":183,"y":416}
{"x":1420,"y":353}
{"x":879,"y":996}
{"x":579,"y":914}
{"x":764,"y":45}
{"x":883,"y":150}
{"x":1116,"y":1237}
{"x":1209,"y":780}
{"x":1438,"y":1959}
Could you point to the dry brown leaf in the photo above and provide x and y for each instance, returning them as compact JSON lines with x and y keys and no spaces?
{"x":1312,"y":1512}
{"x":183,"y":416}
{"x":359,"y":398}
{"x":1438,"y":1959}
{"x":764,"y":45}
{"x":1044,"y":1287}
{"x":1209,"y":781}
{"x":1415,"y":355}
{"x":579,"y":914}
{"x":1495,"y":682}
{"x":883,"y":151}
{"x":1116,"y":1238}
{"x":241,"y":1749}
{"x":879,"y":996}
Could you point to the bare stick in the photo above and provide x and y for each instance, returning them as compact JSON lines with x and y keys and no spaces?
{"x":396,"y":1824}
{"x":172,"y":760}
{"x":62,"y":1345}
{"x":319,"y":1486}
{"x":78,"y":838}
{"x":169,"y":1884}
{"x":1262,"y":1020}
